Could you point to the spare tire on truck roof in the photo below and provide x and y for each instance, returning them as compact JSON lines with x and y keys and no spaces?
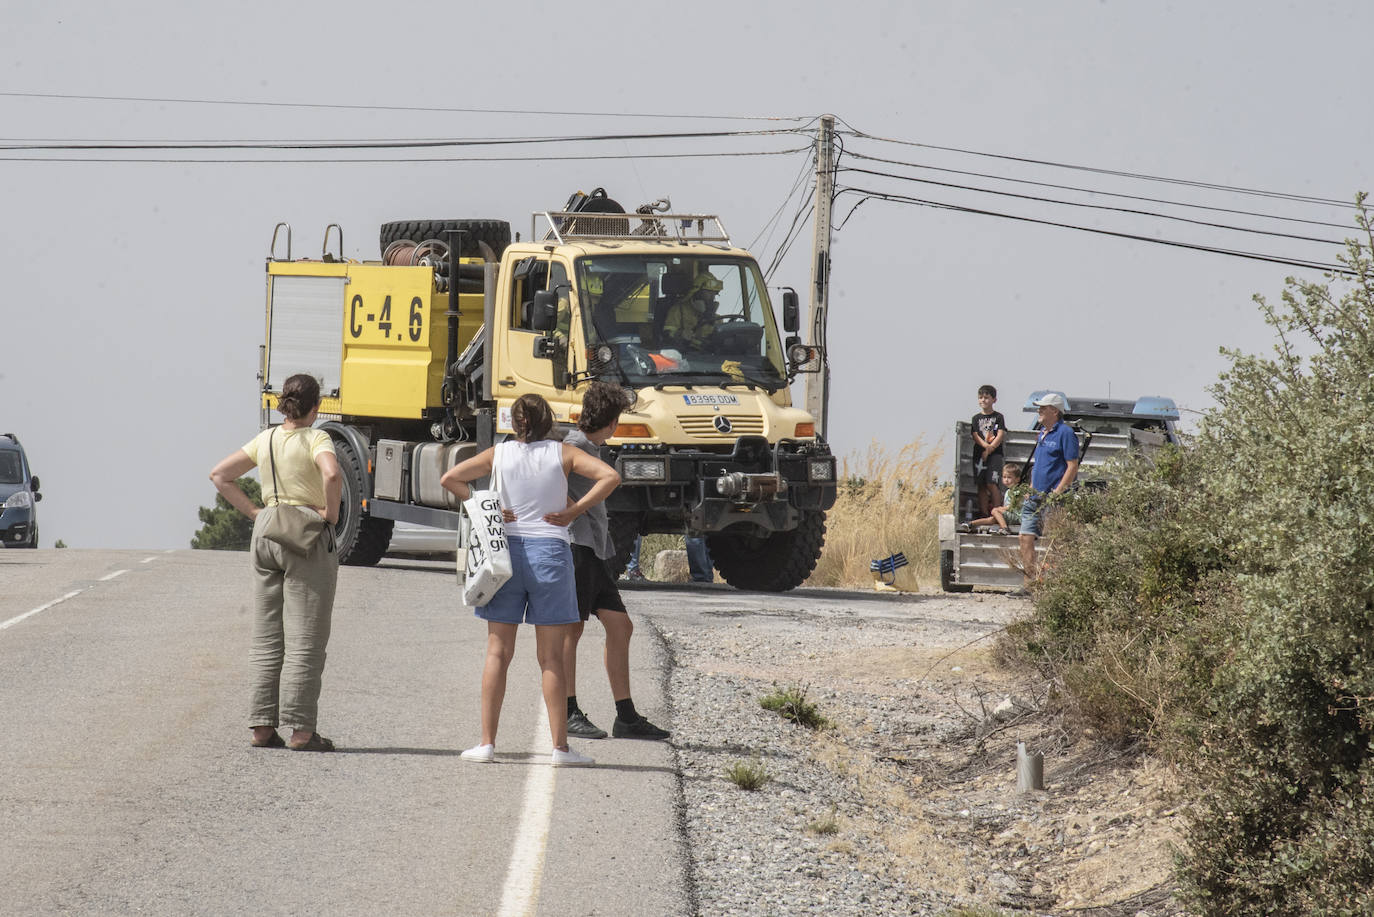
{"x":495,"y":233}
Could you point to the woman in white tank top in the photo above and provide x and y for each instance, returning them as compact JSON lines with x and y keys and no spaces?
{"x":541,"y":590}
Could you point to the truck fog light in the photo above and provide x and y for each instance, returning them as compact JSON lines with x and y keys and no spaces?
{"x":643,"y":470}
{"x":822,"y":469}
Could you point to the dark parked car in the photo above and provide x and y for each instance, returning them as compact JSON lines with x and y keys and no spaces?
{"x":19,"y":495}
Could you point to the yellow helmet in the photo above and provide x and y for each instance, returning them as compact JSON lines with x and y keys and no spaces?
{"x":707,"y":281}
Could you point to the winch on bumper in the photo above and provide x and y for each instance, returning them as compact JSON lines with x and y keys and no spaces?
{"x":757,"y":484}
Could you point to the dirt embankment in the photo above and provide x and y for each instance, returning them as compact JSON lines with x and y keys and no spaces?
{"x":907,"y":803}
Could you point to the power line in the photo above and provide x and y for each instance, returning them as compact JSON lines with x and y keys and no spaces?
{"x":420,"y":108}
{"x":1127,"y":210}
{"x":766,"y":233}
{"x":1119,"y":194}
{"x":402,"y":160}
{"x":1142,"y":176}
{"x":870,"y":194}
{"x":391,"y":144}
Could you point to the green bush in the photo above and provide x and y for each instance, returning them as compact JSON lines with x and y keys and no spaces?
{"x":748,"y":775}
{"x":1221,"y":603}
{"x":224,"y":528}
{"x":791,"y":704}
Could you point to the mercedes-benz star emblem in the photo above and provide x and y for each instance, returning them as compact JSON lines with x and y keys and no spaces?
{"x":722,"y":423}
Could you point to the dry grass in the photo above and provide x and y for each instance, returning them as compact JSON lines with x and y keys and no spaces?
{"x":888,"y":502}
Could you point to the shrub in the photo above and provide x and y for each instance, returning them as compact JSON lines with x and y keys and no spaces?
{"x":886,"y":502}
{"x":791,"y":704}
{"x":1222,"y":603}
{"x":225,"y":528}
{"x":748,"y":775}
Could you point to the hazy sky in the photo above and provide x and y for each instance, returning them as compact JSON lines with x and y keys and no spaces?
{"x":135,"y":291}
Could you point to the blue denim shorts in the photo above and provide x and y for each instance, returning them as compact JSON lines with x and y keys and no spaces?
{"x":541,"y":590}
{"x":1031,"y":511}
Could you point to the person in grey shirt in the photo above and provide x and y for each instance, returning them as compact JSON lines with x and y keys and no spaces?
{"x":596,"y":590}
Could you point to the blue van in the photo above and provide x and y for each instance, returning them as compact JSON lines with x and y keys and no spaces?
{"x":18,"y":494}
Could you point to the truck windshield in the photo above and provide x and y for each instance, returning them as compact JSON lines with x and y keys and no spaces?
{"x":694,"y":319}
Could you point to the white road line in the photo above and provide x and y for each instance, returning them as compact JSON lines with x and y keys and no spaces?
{"x":520,"y":896}
{"x":110,"y":576}
{"x":30,"y":614}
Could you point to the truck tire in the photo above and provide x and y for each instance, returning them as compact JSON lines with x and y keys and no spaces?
{"x":362,"y":540}
{"x":624,"y":528}
{"x":775,"y":562}
{"x":947,"y":582}
{"x":495,"y":233}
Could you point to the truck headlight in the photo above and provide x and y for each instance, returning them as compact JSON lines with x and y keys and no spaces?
{"x":644,"y":469}
{"x":820,"y":469}
{"x":20,"y":499}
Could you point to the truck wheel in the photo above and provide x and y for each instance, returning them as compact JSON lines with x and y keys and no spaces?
{"x":495,"y":233}
{"x":772,"y":562}
{"x":624,"y":529}
{"x":362,"y":540}
{"x":947,"y":582}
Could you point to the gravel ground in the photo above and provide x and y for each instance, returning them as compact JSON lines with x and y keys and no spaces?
{"x":905,"y":804}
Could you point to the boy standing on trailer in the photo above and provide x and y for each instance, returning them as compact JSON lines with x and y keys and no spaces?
{"x":989,"y":431}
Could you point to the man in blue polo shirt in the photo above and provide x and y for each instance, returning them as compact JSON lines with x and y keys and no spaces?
{"x":1056,"y":466}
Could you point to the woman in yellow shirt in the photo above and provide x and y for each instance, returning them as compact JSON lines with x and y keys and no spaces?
{"x":293,"y":594}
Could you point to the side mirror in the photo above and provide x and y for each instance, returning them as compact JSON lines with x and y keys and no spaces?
{"x":33,"y":483}
{"x":544,"y":311}
{"x":791,"y":318}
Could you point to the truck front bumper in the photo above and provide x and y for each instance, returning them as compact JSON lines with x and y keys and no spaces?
{"x":758,"y":484}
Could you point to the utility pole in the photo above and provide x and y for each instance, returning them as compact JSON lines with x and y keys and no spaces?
{"x":818,"y":383}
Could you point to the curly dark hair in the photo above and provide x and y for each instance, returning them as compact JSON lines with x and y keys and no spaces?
{"x":300,"y":395}
{"x":602,"y":404}
{"x":531,"y":418}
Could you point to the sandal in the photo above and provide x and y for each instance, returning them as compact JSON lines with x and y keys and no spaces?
{"x":316,"y":742}
{"x":276,"y":741}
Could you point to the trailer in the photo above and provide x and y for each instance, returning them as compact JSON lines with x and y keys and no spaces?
{"x":1108,"y":428}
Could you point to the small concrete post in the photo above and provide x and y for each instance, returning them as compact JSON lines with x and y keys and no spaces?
{"x":1030,"y":769}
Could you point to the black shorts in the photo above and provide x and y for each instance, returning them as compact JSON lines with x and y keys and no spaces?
{"x":596,"y":589}
{"x":992,"y":469}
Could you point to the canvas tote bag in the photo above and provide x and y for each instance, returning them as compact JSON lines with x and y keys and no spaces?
{"x":484,"y":554}
{"x":296,"y":528}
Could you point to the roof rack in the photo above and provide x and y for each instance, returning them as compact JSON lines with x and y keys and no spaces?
{"x":582,"y":226}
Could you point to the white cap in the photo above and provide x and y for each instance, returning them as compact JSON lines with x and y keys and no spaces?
{"x":1051,"y":400}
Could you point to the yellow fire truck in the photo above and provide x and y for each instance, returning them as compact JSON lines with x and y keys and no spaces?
{"x":422,"y":354}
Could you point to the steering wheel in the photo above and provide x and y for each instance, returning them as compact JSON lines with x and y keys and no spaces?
{"x":730,"y":319}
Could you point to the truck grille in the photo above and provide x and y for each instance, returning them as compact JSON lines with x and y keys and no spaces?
{"x":703,"y":426}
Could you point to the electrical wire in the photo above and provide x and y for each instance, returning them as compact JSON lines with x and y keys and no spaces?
{"x":766,"y":233}
{"x":1105,"y":207}
{"x":419,"y":108}
{"x":392,"y":144}
{"x":1131,"y":197}
{"x":870,"y":194}
{"x":1142,"y":176}
{"x":404,"y":160}
{"x":793,"y":233}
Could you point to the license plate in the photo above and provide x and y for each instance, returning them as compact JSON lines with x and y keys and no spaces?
{"x":711,"y":399}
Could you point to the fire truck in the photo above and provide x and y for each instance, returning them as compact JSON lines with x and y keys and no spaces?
{"x":422,"y":353}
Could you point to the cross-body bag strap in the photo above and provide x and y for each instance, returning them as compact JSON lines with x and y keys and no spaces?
{"x":495,"y":480}
{"x":272,"y":460}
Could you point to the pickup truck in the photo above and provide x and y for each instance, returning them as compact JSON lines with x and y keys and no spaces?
{"x":1107,"y":429}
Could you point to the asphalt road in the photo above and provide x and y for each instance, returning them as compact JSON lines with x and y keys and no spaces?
{"x":129,"y":787}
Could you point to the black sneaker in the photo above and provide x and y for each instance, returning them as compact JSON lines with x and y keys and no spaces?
{"x":637,"y":729}
{"x":583,"y":728}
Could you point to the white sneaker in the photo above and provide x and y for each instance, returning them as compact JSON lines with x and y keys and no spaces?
{"x":482,"y":754}
{"x":570,"y":758}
